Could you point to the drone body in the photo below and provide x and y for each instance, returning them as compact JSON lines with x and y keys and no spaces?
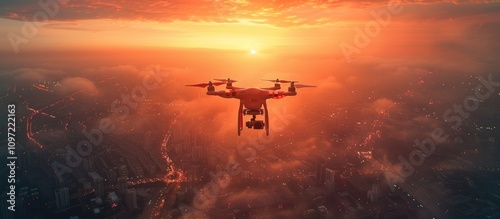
{"x":252,"y":99}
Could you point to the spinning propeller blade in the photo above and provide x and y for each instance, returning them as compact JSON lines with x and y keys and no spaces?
{"x":206,"y":84}
{"x":226,"y":80}
{"x":303,"y":85}
{"x":279,"y":81}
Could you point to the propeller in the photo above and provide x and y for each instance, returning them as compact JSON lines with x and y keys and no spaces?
{"x":226,"y":80}
{"x":206,"y":84}
{"x":279,"y":81}
{"x":303,"y":85}
{"x":271,"y":88}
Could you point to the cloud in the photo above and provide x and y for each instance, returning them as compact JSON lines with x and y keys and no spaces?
{"x":73,"y":84}
{"x":277,"y":13}
{"x":382,"y":105}
{"x":30,"y":75}
{"x":128,"y":70}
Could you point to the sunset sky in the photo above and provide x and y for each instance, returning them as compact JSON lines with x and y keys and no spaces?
{"x":268,"y":27}
{"x":287,"y":37}
{"x":312,"y":41}
{"x":315,"y":42}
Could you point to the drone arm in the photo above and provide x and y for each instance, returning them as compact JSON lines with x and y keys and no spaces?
{"x":281,"y":94}
{"x":224,"y":94}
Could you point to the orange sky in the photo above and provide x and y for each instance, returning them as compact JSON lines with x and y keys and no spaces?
{"x":291,"y":39}
{"x":290,"y":27}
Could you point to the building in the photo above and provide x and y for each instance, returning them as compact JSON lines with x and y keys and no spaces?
{"x":98,"y":184}
{"x":320,"y":171}
{"x":131,"y":199}
{"x":112,"y":174}
{"x":112,"y":197}
{"x":122,"y":171}
{"x":329,"y":180}
{"x":122,"y":185}
{"x":373,"y":194}
{"x":62,"y":197}
{"x":99,"y":187}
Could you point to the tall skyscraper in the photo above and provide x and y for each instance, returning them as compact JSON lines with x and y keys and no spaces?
{"x":62,"y":197}
{"x":329,"y":180}
{"x":99,"y":187}
{"x":122,"y":171}
{"x":112,"y":174}
{"x":374,"y":193}
{"x":320,"y":171}
{"x":131,"y":199}
{"x":98,"y":184}
{"x":122,"y":185}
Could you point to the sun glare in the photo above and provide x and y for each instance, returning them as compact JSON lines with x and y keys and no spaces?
{"x":253,"y":51}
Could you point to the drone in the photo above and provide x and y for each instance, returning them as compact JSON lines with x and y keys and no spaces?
{"x":252,"y":99}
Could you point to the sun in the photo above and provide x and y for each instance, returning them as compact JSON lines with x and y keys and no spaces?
{"x":253,"y":51}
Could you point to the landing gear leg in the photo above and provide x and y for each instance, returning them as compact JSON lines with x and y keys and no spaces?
{"x":266,"y":118}
{"x":240,"y":119}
